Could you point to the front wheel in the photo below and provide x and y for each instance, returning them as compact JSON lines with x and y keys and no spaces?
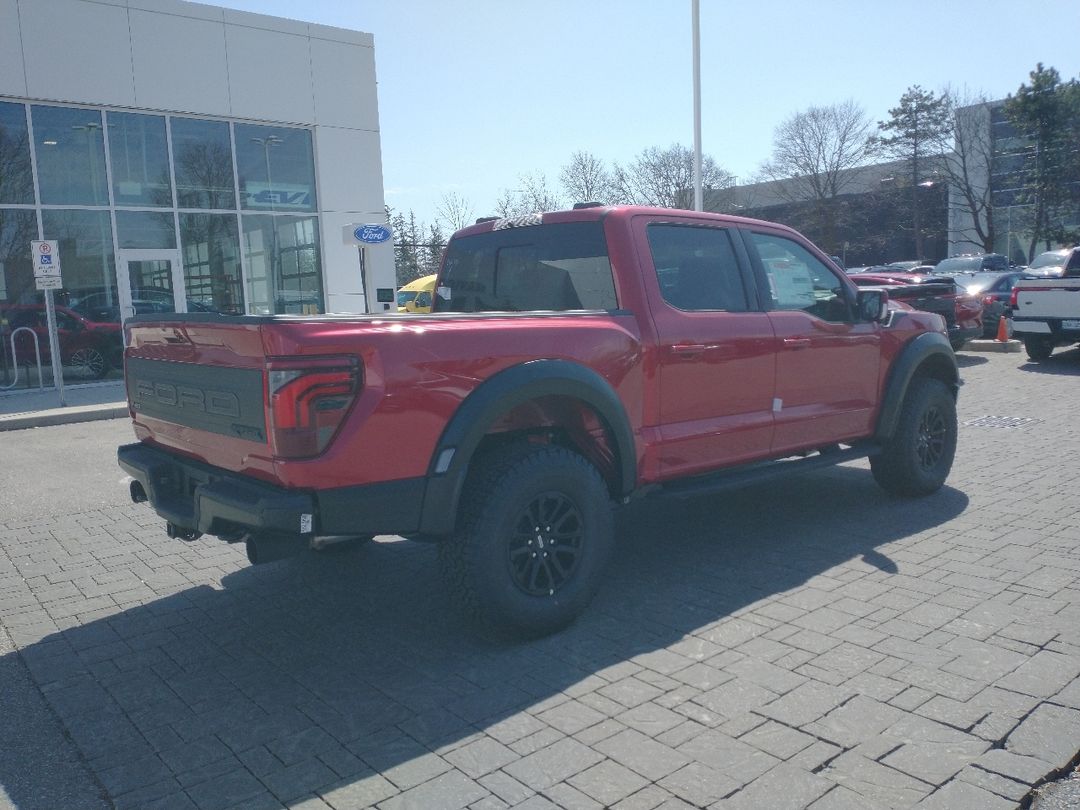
{"x":1038,"y":348}
{"x":534,"y":533}
{"x":918,"y":457}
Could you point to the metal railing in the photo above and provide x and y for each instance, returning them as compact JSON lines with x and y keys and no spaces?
{"x":15,"y":359}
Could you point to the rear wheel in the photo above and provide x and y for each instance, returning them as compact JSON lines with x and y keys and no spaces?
{"x":533,"y":537}
{"x":918,"y":457}
{"x":1038,"y":348}
{"x":90,"y":361}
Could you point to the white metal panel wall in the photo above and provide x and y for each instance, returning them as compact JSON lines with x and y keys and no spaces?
{"x":180,"y":63}
{"x":85,"y":52}
{"x":270,"y":75}
{"x":12,"y":73}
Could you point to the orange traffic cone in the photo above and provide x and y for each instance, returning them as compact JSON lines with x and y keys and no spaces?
{"x":1003,"y":331}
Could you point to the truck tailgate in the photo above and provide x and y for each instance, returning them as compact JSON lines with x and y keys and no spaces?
{"x":1056,"y":298}
{"x":198,"y":387}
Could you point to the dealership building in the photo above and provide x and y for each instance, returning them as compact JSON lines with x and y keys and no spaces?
{"x":188,"y":157}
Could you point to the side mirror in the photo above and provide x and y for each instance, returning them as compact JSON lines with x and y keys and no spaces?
{"x":873,"y":305}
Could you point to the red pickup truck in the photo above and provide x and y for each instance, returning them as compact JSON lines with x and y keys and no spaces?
{"x":574,"y":360}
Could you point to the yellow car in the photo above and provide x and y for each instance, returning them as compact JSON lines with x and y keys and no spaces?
{"x":416,"y":295}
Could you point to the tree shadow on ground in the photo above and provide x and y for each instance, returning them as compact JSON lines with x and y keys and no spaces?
{"x":330,"y":672}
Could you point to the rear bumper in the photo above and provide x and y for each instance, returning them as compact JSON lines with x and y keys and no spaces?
{"x":1045,"y":327}
{"x":207,"y":499}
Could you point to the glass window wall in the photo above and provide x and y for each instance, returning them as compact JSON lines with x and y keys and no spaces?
{"x":87,"y":260}
{"x":148,"y":230}
{"x":70,"y":156}
{"x":282,"y":255}
{"x":18,"y":226}
{"x":202,"y":162}
{"x":211,"y":255}
{"x":276,"y":168}
{"x":140,"y":160}
{"x":16,"y":177}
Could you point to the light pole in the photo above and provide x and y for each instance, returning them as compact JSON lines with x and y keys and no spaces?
{"x":695,"y":11}
{"x":267,"y":143}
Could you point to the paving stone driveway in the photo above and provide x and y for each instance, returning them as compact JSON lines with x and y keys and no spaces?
{"x":814,"y":643}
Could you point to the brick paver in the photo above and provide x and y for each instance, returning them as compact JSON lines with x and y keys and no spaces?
{"x":813,"y":643}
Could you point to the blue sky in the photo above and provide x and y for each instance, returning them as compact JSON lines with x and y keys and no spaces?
{"x":474,"y":94}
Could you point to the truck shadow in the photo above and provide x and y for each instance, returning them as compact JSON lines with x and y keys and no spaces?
{"x":338,"y":672}
{"x":1061,"y":362}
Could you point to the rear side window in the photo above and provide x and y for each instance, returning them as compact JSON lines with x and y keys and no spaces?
{"x":696,"y":268}
{"x":558,"y":267}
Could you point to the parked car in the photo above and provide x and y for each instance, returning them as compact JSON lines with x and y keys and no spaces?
{"x":91,"y":347}
{"x":103,"y":307}
{"x":1051,"y":264}
{"x":905,"y":266}
{"x":994,"y":291}
{"x":972,"y":263}
{"x":941,"y":294}
{"x":1046,"y":311}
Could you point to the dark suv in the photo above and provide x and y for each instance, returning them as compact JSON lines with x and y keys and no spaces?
{"x":973,"y":263}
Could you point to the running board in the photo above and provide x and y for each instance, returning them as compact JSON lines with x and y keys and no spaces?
{"x":759,"y":473}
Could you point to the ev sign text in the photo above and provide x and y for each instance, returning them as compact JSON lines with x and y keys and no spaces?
{"x":46,"y":256}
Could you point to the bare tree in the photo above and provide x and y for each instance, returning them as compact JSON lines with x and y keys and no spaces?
{"x":533,"y":195}
{"x":586,"y":179}
{"x":665,"y":177}
{"x":454,"y":212}
{"x":812,"y":153}
{"x":968,"y":166}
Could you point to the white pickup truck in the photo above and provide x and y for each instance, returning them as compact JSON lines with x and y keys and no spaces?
{"x":1046,"y":311}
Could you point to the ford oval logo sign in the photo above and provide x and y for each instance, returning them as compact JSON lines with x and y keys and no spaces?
{"x":371,"y":234}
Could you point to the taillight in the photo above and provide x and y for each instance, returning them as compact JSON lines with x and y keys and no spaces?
{"x":308,"y":399}
{"x":1012,"y":298}
{"x":988,"y":300}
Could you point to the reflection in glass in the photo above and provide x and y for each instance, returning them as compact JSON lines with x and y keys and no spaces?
{"x":148,"y":230}
{"x":211,"y":253}
{"x":140,"y":160}
{"x":87,"y":261}
{"x":202,"y":160}
{"x":276,"y":169}
{"x":70,"y":156}
{"x":17,"y":228}
{"x":151,"y":285}
{"x":284,"y":270}
{"x":16,"y":178}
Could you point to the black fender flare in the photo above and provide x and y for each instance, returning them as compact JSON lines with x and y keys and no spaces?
{"x":497,"y":396}
{"x":928,"y":347}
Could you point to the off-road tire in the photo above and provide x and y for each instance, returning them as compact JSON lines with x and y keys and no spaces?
{"x":506,"y":575}
{"x":918,"y":457}
{"x":1038,"y":349}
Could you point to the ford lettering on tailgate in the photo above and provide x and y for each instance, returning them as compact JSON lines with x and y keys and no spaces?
{"x":228,"y":401}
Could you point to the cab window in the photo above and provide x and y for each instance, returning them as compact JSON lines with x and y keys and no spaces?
{"x":798,"y":280}
{"x":696,"y":268}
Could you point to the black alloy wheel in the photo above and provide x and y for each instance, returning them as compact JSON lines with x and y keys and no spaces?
{"x":547,"y":544}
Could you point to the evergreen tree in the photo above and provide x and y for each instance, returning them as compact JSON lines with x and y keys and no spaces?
{"x":917,"y":133}
{"x":1047,"y":114}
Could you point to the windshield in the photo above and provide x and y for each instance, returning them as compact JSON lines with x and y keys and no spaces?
{"x":531,"y":268}
{"x":405,"y":296}
{"x":1049,"y":259}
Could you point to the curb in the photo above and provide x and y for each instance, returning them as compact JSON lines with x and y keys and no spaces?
{"x":1004,"y":347}
{"x":63,"y":416}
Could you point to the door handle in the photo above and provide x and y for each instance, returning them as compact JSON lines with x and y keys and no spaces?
{"x":688,"y":348}
{"x":796,"y":343}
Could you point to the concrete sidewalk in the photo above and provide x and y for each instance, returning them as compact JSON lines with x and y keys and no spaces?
{"x":85,"y":403}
